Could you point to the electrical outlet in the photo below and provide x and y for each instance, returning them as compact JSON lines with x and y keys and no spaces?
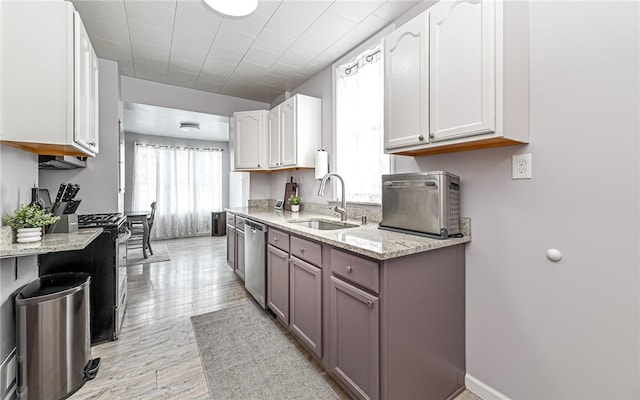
{"x":521,"y":167}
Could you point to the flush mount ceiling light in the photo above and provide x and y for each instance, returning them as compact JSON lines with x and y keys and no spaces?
{"x":189,"y":127}
{"x":234,"y":8}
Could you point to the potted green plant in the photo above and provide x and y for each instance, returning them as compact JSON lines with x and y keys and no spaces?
{"x":29,"y":221}
{"x":294,"y":201}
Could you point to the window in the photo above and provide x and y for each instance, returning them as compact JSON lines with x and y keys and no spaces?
{"x":185,"y":182}
{"x":359,"y":112}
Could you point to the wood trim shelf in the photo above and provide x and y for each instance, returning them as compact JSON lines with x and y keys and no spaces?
{"x":45,"y":148}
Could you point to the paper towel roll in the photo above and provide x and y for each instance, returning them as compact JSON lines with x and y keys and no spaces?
{"x":322,"y":163}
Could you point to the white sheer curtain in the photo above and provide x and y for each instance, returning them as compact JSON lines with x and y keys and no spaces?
{"x":186,"y":183}
{"x":360,"y":157}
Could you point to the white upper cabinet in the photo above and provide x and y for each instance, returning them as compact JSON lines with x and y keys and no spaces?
{"x":288,"y":136}
{"x":462,"y":68}
{"x":474,"y":55}
{"x":295,"y":132}
{"x":406,"y":84}
{"x":249,"y":145}
{"x":50,"y":92}
{"x":274,"y":136}
{"x":86,"y":90}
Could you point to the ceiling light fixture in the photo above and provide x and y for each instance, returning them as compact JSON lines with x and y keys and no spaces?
{"x":234,"y":8}
{"x":190,"y":127}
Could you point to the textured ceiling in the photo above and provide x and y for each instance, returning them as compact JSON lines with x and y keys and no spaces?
{"x":160,"y":121}
{"x":257,"y":57}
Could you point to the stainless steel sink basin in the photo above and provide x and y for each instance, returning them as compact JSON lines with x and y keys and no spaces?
{"x":322,"y":225}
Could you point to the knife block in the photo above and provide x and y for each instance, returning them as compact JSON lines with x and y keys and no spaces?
{"x":68,"y":223}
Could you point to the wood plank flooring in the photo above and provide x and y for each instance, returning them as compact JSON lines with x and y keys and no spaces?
{"x":156,"y":356}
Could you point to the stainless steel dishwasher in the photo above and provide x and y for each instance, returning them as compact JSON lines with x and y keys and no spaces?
{"x":255,"y":257}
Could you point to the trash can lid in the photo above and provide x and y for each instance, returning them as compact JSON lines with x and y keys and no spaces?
{"x":53,"y":283}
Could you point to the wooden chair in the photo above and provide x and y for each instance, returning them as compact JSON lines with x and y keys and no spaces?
{"x":138,"y":239}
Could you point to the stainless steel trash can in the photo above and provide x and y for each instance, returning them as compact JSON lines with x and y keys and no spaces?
{"x":218,"y":223}
{"x":54,"y":341}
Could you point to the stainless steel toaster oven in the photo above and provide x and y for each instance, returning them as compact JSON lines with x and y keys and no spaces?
{"x":425,"y":203}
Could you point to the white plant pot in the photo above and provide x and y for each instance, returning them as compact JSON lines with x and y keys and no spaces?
{"x":295,"y":207}
{"x":28,"y":235}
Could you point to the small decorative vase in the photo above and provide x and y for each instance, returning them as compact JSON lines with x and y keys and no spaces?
{"x":295,"y":207}
{"x":29,"y":235}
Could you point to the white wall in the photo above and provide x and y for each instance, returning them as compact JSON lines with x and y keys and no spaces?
{"x":159,"y":94}
{"x":537,"y":329}
{"x":18,"y":173}
{"x":131,"y":138}
{"x":99,"y":180}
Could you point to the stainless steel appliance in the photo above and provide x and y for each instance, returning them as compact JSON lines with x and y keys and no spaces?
{"x":53,"y":349}
{"x":255,"y":255}
{"x":105,"y":259}
{"x":61,"y":162}
{"x":426,"y":203}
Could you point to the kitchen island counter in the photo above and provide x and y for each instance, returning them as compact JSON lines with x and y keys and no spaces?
{"x":366,"y":240}
{"x":50,"y":243}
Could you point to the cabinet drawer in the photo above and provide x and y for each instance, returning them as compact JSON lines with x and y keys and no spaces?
{"x":306,"y":250}
{"x":240,"y":223}
{"x":355,"y":269}
{"x":279,"y":239}
{"x":231,"y":219}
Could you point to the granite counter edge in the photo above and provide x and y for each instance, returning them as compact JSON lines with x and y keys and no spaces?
{"x":433,"y":244}
{"x":51,"y":243}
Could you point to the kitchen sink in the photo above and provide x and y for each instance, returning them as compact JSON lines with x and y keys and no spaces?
{"x":322,"y":224}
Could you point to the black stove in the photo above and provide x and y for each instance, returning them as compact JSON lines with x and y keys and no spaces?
{"x":105,"y":259}
{"x":107,"y":221}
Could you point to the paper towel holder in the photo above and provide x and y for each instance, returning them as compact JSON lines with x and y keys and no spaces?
{"x":321,"y":163}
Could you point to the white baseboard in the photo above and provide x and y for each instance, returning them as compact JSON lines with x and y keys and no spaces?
{"x":482,"y":390}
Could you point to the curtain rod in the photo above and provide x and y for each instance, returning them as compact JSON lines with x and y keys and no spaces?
{"x":163,"y":146}
{"x":367,"y":58}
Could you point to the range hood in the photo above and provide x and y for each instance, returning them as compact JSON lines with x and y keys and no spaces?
{"x":61,"y":162}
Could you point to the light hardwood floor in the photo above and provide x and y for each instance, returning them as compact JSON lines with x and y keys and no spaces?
{"x":156,"y":356}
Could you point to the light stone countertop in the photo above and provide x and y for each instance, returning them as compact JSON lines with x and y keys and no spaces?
{"x":51,"y":243}
{"x":366,"y":240}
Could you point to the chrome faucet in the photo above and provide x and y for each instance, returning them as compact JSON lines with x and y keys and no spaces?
{"x":340,"y":210}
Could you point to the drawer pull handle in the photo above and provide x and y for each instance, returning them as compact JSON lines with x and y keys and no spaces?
{"x":370,"y":303}
{"x":276,"y":239}
{"x":302,"y":249}
{"x":349,"y":269}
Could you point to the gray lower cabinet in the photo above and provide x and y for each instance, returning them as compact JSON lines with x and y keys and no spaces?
{"x":390,"y":329}
{"x":278,"y":283}
{"x":231,"y":246}
{"x":306,"y":303}
{"x":231,"y":240}
{"x":239,"y":267}
{"x":355,"y":339}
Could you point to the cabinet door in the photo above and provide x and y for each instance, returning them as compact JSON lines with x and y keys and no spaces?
{"x":288,"y":112}
{"x":462,"y":68}
{"x":94,"y":130}
{"x":278,"y":283}
{"x":355,"y":339}
{"x":273,"y":127}
{"x":231,"y":246}
{"x":306,"y":303}
{"x":406,"y":84}
{"x":82,"y":81}
{"x":240,"y":254}
{"x":248,"y":140}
